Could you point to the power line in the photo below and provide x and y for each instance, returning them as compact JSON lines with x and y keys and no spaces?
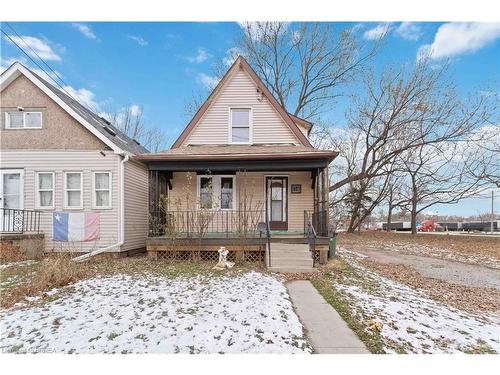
{"x":37,"y":55}
{"x":36,"y":63}
{"x":44,"y":62}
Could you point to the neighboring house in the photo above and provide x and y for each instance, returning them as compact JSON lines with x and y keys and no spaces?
{"x":241,"y":161}
{"x":56,"y":155}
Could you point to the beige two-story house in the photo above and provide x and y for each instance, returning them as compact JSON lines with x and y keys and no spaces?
{"x":58,"y":156}
{"x":242,"y":167}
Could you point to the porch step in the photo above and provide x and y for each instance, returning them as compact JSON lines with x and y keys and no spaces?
{"x":290,"y":258}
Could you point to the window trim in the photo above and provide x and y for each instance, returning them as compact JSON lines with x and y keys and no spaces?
{"x":250,"y":126}
{"x":110,"y":189}
{"x":7,"y":120}
{"x":37,"y":198}
{"x":217,"y":191}
{"x":80,"y":207}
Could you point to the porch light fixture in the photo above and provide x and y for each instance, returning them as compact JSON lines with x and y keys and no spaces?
{"x":20,"y":109}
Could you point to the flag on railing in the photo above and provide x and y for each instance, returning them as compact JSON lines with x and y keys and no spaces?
{"x":75,"y":226}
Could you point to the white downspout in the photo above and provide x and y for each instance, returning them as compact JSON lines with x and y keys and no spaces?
{"x":122,"y":216}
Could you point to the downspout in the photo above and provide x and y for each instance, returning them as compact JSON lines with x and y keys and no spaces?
{"x":122,"y":216}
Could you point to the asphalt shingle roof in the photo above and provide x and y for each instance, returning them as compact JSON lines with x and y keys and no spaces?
{"x":119,"y":138}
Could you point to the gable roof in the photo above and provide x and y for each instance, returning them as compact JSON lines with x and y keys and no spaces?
{"x":241,"y":63}
{"x":113,"y":137}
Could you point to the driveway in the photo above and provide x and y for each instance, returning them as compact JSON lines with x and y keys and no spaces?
{"x":452,"y":272}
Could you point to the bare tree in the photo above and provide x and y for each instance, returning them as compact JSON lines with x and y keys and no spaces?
{"x":398,"y":112}
{"x":305,"y":65}
{"x":436,"y":174}
{"x":130,"y":121}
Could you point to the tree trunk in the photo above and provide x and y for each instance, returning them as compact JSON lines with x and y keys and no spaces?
{"x":389,"y":218}
{"x":414,"y":216}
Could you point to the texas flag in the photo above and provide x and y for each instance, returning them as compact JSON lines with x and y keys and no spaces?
{"x":77,"y":226}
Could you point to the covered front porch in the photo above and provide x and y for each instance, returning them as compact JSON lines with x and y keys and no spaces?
{"x":241,"y":202}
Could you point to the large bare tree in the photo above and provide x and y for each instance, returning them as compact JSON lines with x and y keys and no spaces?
{"x":305,"y":64}
{"x":398,"y":112}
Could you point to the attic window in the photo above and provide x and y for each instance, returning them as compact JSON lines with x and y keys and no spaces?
{"x":240,"y":124}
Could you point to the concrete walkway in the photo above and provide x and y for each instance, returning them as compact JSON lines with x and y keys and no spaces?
{"x":327,"y":331}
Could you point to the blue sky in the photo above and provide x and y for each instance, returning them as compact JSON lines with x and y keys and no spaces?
{"x":159,"y":66}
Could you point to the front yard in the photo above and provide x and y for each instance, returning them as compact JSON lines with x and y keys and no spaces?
{"x":157,"y":308}
{"x":391,"y":317}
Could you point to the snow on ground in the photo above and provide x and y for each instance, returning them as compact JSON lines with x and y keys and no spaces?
{"x":17,"y":264}
{"x":243,"y":313}
{"x":413,"y":321}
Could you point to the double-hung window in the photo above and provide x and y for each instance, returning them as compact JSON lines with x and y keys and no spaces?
{"x":240,"y":122}
{"x":45,"y":190}
{"x":101,"y":190}
{"x":216,"y":192}
{"x":23,"y":120}
{"x":73,"y":183}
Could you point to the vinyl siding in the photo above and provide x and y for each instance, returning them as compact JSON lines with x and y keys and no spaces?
{"x":250,"y":186}
{"x":136,"y":206}
{"x":59,"y":162}
{"x":240,"y":92}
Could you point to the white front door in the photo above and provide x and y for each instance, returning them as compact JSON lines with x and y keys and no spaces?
{"x":11,"y":197}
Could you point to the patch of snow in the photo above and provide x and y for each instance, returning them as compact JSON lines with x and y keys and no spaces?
{"x":417,"y":323}
{"x":17,"y":264}
{"x":244,"y":313}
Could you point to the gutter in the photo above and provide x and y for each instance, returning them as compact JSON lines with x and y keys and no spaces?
{"x":83,"y":257}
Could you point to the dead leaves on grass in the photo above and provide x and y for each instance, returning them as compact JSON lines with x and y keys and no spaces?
{"x":461,"y":297}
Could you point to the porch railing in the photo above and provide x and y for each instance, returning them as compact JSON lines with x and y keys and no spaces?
{"x":200,"y":223}
{"x":13,"y":220}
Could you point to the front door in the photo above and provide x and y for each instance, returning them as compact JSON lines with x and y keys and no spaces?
{"x":277,"y":202}
{"x":11,"y":197}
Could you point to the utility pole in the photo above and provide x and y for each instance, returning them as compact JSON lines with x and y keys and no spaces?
{"x":492,"y":211}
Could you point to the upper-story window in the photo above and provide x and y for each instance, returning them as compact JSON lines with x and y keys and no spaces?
{"x":241,"y":125}
{"x":23,"y":120}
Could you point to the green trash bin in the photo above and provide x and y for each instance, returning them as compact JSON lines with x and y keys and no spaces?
{"x":332,"y":244}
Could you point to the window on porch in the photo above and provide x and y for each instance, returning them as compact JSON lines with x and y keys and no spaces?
{"x":216,"y":192}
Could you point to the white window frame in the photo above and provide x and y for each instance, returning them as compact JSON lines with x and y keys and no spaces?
{"x":110,"y":189}
{"x":79,"y":207}
{"x":38,"y":190}
{"x":7,"y":120}
{"x":217,"y":191}
{"x":250,"y":126}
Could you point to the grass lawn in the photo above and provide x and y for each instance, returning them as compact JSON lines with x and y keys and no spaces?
{"x":393,"y":318}
{"x":139,"y":306}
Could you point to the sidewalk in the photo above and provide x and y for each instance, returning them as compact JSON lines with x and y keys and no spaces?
{"x":327,"y":332}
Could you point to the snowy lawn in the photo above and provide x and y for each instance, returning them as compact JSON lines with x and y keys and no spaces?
{"x":407,"y":320}
{"x":242,"y":312}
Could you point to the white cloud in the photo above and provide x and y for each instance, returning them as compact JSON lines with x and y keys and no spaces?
{"x":208,"y":81}
{"x":135,"y":110}
{"x":48,"y":76}
{"x":201,"y":55}
{"x":231,"y":56}
{"x":85,"y":30}
{"x":456,"y":38}
{"x":377,"y":32}
{"x":36,"y":47}
{"x":139,"y":40}
{"x":84,"y":96}
{"x":409,"y":31}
